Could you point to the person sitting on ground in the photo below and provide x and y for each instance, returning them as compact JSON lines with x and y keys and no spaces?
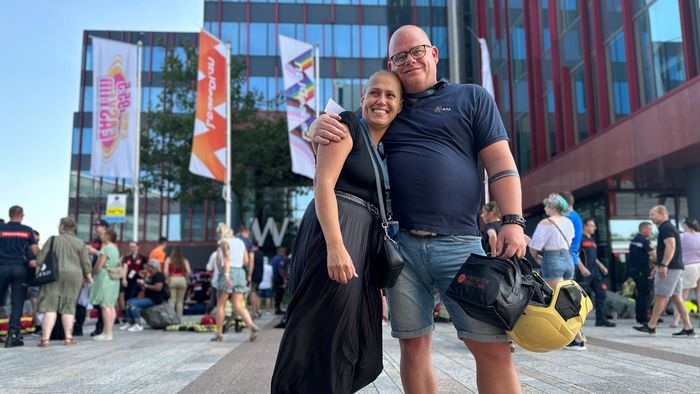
{"x":177,"y":270}
{"x":105,"y":290}
{"x":73,"y":269}
{"x":154,"y":294}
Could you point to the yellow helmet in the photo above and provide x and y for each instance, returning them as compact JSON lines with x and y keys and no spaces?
{"x":542,"y":328}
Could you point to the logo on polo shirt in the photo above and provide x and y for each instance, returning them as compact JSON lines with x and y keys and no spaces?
{"x":440,"y":108}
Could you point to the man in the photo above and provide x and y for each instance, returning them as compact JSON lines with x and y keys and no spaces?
{"x":431,"y":151}
{"x":93,"y":248}
{"x":132,"y":264}
{"x":280,"y":277}
{"x":578,"y":233}
{"x":639,"y":269}
{"x":158,"y":253}
{"x":16,"y":240}
{"x":668,"y":274}
{"x":593,"y":283}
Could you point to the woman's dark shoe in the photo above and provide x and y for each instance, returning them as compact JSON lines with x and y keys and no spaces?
{"x":217,"y":338}
{"x":254,"y":333}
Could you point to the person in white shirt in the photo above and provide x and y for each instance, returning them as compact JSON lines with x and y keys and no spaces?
{"x":552,"y":238}
{"x":265,"y":287}
{"x":231,"y":280}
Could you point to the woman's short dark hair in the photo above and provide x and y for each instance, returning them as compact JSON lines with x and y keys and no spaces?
{"x":692,"y":223}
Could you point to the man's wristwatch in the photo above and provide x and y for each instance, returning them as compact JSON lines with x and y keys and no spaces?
{"x":513,"y":219}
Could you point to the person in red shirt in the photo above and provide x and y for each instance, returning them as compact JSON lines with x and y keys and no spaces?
{"x":132,"y":264}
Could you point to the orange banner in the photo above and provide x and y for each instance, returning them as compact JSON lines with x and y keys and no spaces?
{"x":209,"y":143}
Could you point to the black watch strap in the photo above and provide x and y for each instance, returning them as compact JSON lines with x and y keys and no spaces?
{"x":513,"y":219}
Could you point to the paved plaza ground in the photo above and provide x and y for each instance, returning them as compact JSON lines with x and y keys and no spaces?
{"x":619,"y":360}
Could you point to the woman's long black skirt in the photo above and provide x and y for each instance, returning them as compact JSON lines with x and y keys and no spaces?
{"x":333,"y":339}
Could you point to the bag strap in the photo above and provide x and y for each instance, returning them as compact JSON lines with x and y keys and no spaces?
{"x":561,"y":232}
{"x":374,"y":157}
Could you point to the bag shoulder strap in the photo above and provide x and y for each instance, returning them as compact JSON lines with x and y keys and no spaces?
{"x":560,"y":232}
{"x":377,"y":177}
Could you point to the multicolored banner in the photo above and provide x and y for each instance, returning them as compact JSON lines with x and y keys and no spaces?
{"x":299,"y":91}
{"x":209,"y":143}
{"x":115,"y":108}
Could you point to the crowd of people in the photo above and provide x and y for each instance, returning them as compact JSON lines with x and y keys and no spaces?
{"x":119,"y":288}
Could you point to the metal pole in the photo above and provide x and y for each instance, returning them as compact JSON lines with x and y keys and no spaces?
{"x":227,"y":186}
{"x":455,"y":33}
{"x":317,"y":78}
{"x":137,"y":160}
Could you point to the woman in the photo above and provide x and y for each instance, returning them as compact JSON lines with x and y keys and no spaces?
{"x":690,"y":250}
{"x":230,"y":281}
{"x":334,"y":316}
{"x":551,"y":242}
{"x":73,"y":270}
{"x":132,"y":264}
{"x":177,"y":270}
{"x":105,"y":290}
{"x":154,"y":294}
{"x":491,"y":216}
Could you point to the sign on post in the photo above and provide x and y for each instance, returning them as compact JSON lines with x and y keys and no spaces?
{"x":116,"y":208}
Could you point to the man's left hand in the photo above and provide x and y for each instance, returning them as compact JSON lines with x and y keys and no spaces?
{"x":511,"y":241}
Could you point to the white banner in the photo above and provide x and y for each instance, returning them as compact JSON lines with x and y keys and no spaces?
{"x":299,"y":91}
{"x":115,"y":108}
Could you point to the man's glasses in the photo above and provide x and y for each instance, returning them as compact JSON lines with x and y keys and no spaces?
{"x":418,"y":52}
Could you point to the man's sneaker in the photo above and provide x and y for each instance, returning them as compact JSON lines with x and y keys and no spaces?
{"x":685,"y":334}
{"x":135,"y":328}
{"x":125,"y":326}
{"x":13,"y":340}
{"x":646,"y":329}
{"x":606,"y":323}
{"x":576,"y":345}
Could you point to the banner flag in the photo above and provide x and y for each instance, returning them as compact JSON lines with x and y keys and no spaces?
{"x":115,"y":108}
{"x":299,"y":91}
{"x":209,"y":141}
{"x":486,"y":77}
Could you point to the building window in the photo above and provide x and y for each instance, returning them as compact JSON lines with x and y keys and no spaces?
{"x":230,"y":33}
{"x":618,"y":87}
{"x":158,"y":58}
{"x":579,"y":106}
{"x":659,"y":44}
{"x":342,"y":40}
{"x":88,"y":58}
{"x":87,"y":99}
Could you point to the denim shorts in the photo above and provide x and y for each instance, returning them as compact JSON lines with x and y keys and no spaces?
{"x":557,"y":264}
{"x":433,"y":262}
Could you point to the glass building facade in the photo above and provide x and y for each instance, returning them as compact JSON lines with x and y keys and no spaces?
{"x":352,"y":36}
{"x":595,"y":94}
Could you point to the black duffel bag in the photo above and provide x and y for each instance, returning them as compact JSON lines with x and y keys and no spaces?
{"x":497,"y":291}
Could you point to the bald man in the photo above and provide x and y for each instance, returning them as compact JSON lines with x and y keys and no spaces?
{"x":668,"y":275}
{"x":432,"y":150}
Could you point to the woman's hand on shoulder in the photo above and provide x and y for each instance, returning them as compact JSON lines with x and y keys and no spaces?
{"x":340,"y":266}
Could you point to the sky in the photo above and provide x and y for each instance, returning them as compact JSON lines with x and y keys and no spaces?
{"x":40,"y":59}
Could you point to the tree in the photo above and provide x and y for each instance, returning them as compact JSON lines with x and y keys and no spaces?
{"x":261,"y":165}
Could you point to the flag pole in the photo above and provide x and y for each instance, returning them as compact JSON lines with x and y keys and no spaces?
{"x":227,"y":186}
{"x":317,"y":81}
{"x":137,"y":160}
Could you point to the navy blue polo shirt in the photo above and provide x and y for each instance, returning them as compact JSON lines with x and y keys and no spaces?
{"x":639,"y":253}
{"x":15,"y":239}
{"x":432,"y":152}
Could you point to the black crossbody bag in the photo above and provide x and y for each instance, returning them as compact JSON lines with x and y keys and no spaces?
{"x":391,"y":248}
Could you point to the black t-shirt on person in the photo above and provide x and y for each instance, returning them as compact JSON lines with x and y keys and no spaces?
{"x":15,"y":239}
{"x":156,"y":296}
{"x":257,"y":266}
{"x":495,"y":226}
{"x":589,"y":249}
{"x":668,"y":230}
{"x":358,"y":162}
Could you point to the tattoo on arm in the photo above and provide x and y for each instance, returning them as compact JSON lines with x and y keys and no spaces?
{"x":502,"y":174}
